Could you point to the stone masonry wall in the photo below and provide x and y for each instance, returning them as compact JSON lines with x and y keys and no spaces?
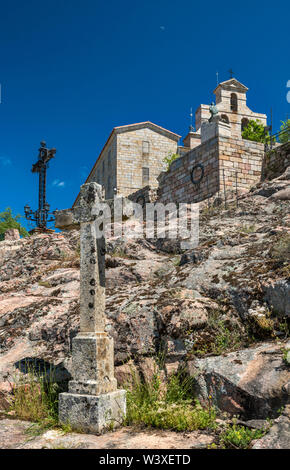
{"x":242,"y":159}
{"x":225,"y":160}
{"x":144,"y":195}
{"x":105,"y":170}
{"x":176,"y":185}
{"x":131,"y":158}
{"x":121,"y":162}
{"x":276,"y":161}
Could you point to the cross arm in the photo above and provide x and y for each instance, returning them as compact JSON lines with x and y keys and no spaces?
{"x":85,"y":211}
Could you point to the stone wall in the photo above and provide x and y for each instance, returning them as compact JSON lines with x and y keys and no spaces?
{"x":144,"y":195}
{"x":132,"y":158}
{"x":124,"y":161}
{"x":105,"y":170}
{"x":227,"y":162}
{"x":276,"y":161}
{"x":176,"y":186}
{"x":241,"y":159}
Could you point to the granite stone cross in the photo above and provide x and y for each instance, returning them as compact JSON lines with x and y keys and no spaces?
{"x":93,"y":402}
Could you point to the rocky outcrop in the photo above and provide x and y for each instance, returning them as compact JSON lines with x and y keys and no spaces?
{"x":252,"y":383}
{"x":228,"y":294}
{"x":12,"y":234}
{"x":278,"y":436}
{"x":277,"y":295}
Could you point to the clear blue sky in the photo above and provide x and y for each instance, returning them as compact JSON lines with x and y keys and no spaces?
{"x":71,"y":70}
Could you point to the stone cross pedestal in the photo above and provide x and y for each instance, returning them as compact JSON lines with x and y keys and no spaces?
{"x":93,"y":402}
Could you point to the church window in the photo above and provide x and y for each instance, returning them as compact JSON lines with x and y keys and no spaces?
{"x":145,"y":147}
{"x":234,"y":102}
{"x":225,"y":118}
{"x":145,"y":175}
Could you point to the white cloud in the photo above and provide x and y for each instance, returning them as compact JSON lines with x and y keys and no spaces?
{"x":5,"y":161}
{"x":58,"y":183}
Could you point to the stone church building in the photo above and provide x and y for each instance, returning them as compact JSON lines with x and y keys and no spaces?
{"x":133,"y":155}
{"x":231,"y":102}
{"x":133,"y":158}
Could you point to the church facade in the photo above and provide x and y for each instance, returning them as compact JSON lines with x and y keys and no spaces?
{"x":133,"y":155}
{"x":231,"y":103}
{"x":218,"y":159}
{"x":132,"y":158}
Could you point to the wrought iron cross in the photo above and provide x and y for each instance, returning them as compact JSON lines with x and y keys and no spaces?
{"x":231,"y":73}
{"x":40,"y":216}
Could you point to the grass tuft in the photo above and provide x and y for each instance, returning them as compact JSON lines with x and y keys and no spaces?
{"x":35,"y":398}
{"x":248,"y":228}
{"x":217,"y":338}
{"x":169,"y":406}
{"x":280,"y":251}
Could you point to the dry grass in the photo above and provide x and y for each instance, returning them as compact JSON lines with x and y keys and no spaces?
{"x":35,"y":398}
{"x":166,"y":406}
{"x":281,"y":249}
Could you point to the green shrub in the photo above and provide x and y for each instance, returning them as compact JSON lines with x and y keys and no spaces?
{"x":286,"y":355}
{"x":167,"y":406}
{"x":170,"y":158}
{"x":239,"y":437}
{"x":255,"y":131}
{"x":8,"y":220}
{"x":217,"y":338}
{"x":285,"y":137}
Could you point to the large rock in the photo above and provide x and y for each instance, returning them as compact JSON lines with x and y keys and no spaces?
{"x":282,"y":195}
{"x":279,"y":435}
{"x":250,"y":383}
{"x":135,"y":332}
{"x":277,"y":295}
{"x":12,"y":234}
{"x":156,"y":299}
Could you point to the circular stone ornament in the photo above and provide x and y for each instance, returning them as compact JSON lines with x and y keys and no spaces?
{"x":197,"y":179}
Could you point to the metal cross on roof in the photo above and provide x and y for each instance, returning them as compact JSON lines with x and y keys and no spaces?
{"x":231,"y":73}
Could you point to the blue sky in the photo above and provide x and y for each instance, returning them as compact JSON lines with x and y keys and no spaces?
{"x":71,"y":70}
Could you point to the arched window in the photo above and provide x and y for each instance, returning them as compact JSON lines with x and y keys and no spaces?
{"x":234,"y":102}
{"x":224,"y":118}
{"x":244,"y":123}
